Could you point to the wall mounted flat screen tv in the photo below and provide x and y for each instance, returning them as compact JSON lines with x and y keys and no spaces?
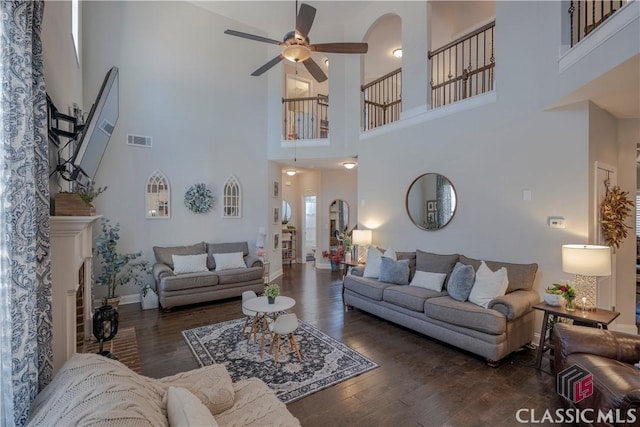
{"x":94,"y":137}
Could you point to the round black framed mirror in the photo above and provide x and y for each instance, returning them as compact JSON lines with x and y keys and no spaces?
{"x":431,"y":201}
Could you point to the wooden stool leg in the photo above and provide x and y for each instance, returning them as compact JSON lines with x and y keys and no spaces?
{"x":294,"y":345}
{"x":244,"y":328}
{"x":275,"y":362}
{"x":254,"y":329}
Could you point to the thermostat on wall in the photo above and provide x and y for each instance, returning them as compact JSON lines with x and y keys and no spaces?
{"x":556,"y":222}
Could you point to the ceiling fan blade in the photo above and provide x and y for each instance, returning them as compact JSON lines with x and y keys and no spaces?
{"x":252,"y":37}
{"x":340,"y":47}
{"x":268,"y":65}
{"x":315,"y":70}
{"x":304,"y":20}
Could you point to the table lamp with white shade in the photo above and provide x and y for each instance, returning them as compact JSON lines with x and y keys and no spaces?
{"x":587,"y":262}
{"x":361,"y":238}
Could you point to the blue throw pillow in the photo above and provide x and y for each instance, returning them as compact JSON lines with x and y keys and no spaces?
{"x":396,"y":272}
{"x":461,"y":281}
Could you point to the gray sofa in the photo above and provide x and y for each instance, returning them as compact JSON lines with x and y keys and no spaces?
{"x":493,"y":333}
{"x":190,"y":288}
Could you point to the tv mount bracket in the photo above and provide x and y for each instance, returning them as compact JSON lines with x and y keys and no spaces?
{"x":54,"y":118}
{"x":71,"y":131}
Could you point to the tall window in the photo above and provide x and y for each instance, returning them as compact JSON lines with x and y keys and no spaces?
{"x":232,"y":199}
{"x":75,"y":28}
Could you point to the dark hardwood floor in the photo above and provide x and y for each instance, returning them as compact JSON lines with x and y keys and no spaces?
{"x":420,"y":381}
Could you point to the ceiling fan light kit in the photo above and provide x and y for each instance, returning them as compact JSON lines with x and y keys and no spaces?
{"x":296,"y":47}
{"x":296,"y":53}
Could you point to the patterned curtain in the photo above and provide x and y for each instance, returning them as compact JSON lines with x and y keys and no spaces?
{"x":25,"y":273}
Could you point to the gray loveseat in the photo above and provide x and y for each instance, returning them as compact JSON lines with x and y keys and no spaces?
{"x":190,"y":288}
{"x":494,"y":332}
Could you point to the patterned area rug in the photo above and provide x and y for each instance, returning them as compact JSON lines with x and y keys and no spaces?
{"x":124,"y":345}
{"x":325,"y":361}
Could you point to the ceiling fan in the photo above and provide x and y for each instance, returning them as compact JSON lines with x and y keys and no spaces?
{"x":296,"y":46}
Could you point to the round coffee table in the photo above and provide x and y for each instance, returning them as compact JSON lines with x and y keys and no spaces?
{"x":262,"y":308}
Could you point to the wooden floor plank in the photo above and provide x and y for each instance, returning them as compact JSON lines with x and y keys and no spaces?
{"x":420,"y":381}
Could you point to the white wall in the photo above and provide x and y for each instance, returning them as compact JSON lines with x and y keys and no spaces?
{"x":177,"y":85}
{"x":62,"y":73}
{"x":491,"y":154}
{"x":209,"y":119}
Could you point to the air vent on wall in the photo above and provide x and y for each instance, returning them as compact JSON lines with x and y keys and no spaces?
{"x":139,"y":140}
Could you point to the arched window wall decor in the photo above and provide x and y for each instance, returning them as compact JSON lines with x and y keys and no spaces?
{"x":232,"y":198}
{"x":157,"y":196}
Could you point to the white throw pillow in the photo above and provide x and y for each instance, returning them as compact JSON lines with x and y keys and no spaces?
{"x":189,"y":263}
{"x":185,"y":409}
{"x":488,"y":285}
{"x":428,"y":280}
{"x":374,"y":260}
{"x":229,"y":261}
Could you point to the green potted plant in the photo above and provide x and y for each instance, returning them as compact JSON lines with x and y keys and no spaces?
{"x":345,"y":239}
{"x":272,"y":290}
{"x":116,"y":269}
{"x":77,"y":202}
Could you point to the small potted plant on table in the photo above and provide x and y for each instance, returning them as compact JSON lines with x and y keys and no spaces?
{"x":272,"y":290}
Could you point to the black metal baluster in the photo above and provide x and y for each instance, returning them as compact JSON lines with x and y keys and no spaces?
{"x":579,"y":21}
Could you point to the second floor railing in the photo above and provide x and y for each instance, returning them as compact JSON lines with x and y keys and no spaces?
{"x":382,"y":100}
{"x":587,"y":15}
{"x":306,"y":118}
{"x":464,"y":67}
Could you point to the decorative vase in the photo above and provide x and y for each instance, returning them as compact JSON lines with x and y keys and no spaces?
{"x":553,"y":299}
{"x":570,"y":306}
{"x":271,"y":300}
{"x":334,"y":266}
{"x":347,"y":257}
{"x":149,"y":301}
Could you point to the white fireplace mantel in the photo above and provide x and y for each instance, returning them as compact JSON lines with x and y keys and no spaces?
{"x":71,"y":247}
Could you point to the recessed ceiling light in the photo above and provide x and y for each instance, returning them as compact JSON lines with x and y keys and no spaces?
{"x":326,"y":61}
{"x":290,"y":172}
{"x":397,"y":52}
{"x":349,"y":165}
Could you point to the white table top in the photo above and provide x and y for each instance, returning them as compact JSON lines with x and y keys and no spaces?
{"x":261,"y":304}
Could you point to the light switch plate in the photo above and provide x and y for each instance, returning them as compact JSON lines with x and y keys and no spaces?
{"x":556,"y":222}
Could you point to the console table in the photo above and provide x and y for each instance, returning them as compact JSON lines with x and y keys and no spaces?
{"x":596,"y":318}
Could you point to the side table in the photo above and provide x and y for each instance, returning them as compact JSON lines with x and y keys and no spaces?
{"x":347,"y":267}
{"x":595,"y":318}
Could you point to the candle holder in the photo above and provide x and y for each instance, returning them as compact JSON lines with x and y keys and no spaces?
{"x":105,"y":327}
